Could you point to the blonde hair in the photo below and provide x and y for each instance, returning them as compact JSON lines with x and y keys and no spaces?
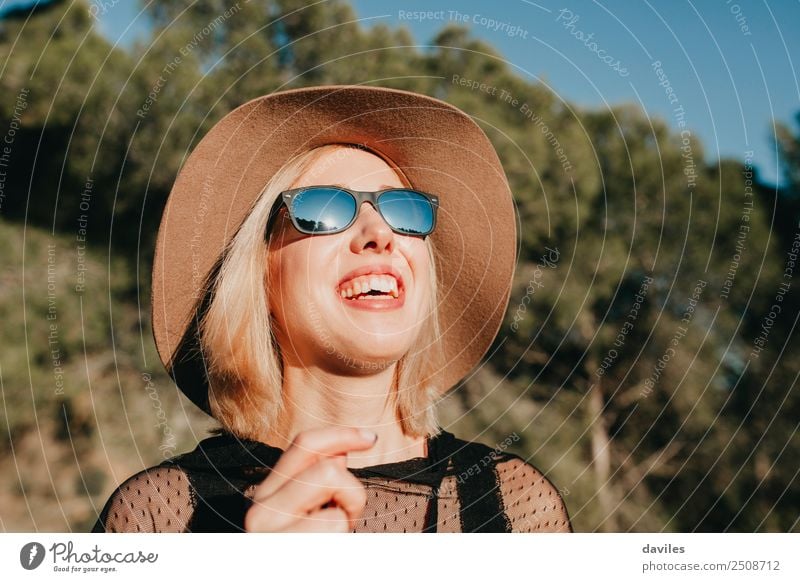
{"x":239,"y":345}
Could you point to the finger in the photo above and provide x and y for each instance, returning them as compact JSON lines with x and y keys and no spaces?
{"x":307,"y":448}
{"x":332,"y":520}
{"x":315,"y":487}
{"x":340,"y":460}
{"x":322,"y":482}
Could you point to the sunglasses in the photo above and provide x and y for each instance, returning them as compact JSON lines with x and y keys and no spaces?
{"x":332,"y":209}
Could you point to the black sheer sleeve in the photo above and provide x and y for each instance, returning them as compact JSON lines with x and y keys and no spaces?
{"x":531,"y":501}
{"x":155,"y":500}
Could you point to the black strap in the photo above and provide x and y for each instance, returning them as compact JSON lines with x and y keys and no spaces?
{"x":477,"y":483}
{"x":440,"y":449}
{"x":479,"y":493}
{"x":219,"y":469}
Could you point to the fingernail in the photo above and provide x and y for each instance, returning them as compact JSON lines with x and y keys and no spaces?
{"x":368,"y":435}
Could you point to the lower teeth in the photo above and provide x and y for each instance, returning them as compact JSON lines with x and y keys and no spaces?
{"x":364,"y":297}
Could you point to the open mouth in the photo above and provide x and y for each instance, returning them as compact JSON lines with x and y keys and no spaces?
{"x":370,"y":288}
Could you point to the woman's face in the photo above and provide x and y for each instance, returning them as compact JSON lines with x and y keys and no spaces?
{"x":308,"y":275}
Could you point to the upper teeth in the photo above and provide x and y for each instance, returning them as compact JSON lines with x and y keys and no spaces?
{"x":366,"y":283}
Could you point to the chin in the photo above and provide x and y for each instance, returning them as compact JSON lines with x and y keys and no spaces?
{"x":373,"y":338}
{"x":378,"y":356}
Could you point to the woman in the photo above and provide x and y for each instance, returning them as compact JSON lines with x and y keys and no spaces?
{"x":332,"y":261}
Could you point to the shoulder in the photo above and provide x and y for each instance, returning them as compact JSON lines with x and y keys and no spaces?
{"x":532,"y":501}
{"x":157,"y":499}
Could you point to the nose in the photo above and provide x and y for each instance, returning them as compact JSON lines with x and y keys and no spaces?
{"x":370,"y":231}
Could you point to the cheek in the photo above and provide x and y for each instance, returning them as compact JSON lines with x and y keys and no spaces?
{"x":419,"y":262}
{"x":299,"y":273}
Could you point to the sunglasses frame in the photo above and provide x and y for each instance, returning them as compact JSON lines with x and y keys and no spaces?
{"x":287,"y":196}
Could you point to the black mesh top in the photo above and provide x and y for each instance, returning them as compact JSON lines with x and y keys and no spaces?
{"x":460,"y":486}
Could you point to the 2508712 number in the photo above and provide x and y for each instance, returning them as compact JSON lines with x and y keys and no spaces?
{"x":756,"y":565}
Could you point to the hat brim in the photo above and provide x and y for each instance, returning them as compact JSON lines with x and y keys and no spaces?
{"x":438,"y":147}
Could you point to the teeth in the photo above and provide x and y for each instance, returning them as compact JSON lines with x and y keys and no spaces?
{"x":384,"y":283}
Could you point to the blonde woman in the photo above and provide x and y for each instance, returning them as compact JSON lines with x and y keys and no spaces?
{"x":330,"y":263}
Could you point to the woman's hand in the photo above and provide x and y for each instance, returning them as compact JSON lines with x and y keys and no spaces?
{"x":310,"y":488}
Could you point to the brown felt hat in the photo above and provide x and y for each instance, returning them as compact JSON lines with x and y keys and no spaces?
{"x":438,"y":147}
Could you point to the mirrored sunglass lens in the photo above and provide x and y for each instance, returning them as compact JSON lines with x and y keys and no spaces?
{"x":407,"y":211}
{"x":323,"y":209}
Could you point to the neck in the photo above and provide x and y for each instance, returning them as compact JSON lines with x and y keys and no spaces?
{"x":317,"y":398}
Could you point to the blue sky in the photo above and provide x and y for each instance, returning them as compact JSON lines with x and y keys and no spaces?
{"x":732,"y":81}
{"x":733,"y":65}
